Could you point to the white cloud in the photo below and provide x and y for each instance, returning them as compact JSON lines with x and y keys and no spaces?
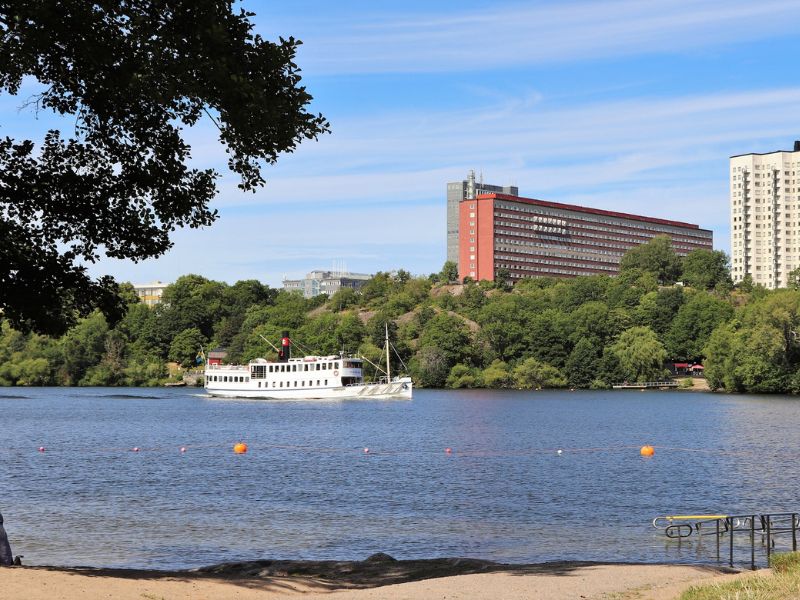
{"x":275,"y":244}
{"x":663,"y":157}
{"x":545,"y":149}
{"x":521,"y":34}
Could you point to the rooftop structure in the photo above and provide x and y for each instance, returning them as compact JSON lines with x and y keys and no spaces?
{"x":462,"y":190}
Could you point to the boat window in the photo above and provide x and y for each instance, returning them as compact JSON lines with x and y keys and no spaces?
{"x":281,"y":384}
{"x":326,"y":382}
{"x":336,"y":365}
{"x":317,"y":381}
{"x":259,"y":384}
{"x":305,"y":367}
{"x":270,"y":368}
{"x":225,"y":379}
{"x":295,"y":384}
{"x":283,"y":368}
{"x":318,"y":366}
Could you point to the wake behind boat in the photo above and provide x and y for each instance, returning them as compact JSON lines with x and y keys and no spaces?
{"x":307,"y":378}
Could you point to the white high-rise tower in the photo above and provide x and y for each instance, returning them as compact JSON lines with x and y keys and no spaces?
{"x":765,"y":216}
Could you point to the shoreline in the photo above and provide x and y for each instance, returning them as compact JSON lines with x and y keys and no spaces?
{"x":380,"y":576}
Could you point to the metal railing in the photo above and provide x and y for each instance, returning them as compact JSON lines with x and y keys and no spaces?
{"x":769,"y":527}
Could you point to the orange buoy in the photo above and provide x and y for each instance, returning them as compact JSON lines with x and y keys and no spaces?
{"x":448,"y":450}
{"x":41,"y":448}
{"x":183,"y":449}
{"x":240,"y":448}
{"x":647,"y":451}
{"x":366,"y":450}
{"x":136,"y":448}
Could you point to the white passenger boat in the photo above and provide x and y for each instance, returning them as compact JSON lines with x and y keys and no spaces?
{"x":307,"y":378}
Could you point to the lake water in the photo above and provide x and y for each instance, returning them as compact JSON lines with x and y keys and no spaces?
{"x":307,"y":490}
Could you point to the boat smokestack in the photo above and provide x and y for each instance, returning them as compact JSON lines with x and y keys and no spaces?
{"x":286,"y":348}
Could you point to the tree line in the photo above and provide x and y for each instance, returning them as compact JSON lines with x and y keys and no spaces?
{"x":584,"y":332}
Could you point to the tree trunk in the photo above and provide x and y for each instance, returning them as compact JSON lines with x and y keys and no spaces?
{"x":6,"y":559}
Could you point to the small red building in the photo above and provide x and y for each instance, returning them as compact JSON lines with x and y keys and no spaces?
{"x":216,"y":356}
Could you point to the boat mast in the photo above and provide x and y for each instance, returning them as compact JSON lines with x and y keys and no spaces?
{"x":388,"y":365}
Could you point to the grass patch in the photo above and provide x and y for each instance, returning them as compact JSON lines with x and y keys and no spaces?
{"x":782,"y":584}
{"x":785,"y":562}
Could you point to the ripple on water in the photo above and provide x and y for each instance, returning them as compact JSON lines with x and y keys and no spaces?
{"x":307,"y":490}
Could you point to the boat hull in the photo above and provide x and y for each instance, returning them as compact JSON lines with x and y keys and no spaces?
{"x":400,"y":389}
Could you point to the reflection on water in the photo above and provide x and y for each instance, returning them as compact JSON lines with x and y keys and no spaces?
{"x":306,"y":489}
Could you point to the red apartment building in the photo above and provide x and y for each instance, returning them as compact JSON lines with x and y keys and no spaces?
{"x":535,"y":238}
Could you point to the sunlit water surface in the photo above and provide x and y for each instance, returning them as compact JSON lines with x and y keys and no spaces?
{"x":306,"y":489}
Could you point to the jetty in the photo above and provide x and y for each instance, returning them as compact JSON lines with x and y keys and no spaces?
{"x":646,"y":385}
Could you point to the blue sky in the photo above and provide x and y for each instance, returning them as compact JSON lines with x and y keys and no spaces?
{"x":622,"y":105}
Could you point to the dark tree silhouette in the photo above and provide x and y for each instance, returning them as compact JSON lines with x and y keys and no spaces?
{"x":131,"y":75}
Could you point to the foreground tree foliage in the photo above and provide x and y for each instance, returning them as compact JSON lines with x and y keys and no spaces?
{"x":130,"y":77}
{"x":588,"y":332}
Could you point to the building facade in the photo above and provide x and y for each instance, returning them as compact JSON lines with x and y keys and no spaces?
{"x":461,"y":190}
{"x":535,"y":238}
{"x":150,"y":293}
{"x":325,"y":282}
{"x":765,"y":216}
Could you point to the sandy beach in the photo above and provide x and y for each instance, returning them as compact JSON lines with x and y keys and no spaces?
{"x":397,"y":580}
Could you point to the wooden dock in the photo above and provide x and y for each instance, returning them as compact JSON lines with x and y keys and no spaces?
{"x":647,"y":385}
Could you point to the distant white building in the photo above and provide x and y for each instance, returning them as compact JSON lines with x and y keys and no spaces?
{"x":765,"y":216}
{"x":150,"y":293}
{"x":325,"y":282}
